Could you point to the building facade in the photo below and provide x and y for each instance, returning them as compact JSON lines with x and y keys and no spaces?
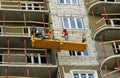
{"x":94,"y":20}
{"x":72,"y":15}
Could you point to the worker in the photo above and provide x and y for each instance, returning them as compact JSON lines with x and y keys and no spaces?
{"x":39,"y":33}
{"x":50,"y":34}
{"x":65,"y":32}
{"x":83,"y":38}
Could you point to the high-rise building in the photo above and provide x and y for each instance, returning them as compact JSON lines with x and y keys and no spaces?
{"x":54,"y":24}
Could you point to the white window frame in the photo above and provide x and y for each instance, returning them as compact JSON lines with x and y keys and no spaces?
{"x":86,"y":72}
{"x":69,"y":23}
{"x":27,"y":30}
{"x":32,"y":6}
{"x":69,"y":3}
{"x":82,"y":54}
{"x":32,"y":58}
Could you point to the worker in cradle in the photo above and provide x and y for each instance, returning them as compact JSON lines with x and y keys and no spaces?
{"x":39,"y":33}
{"x":65,"y":32}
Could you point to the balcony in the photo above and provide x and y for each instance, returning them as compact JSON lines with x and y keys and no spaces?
{"x":33,"y":63}
{"x":32,"y":5}
{"x":107,"y":29}
{"x":97,"y":6}
{"x":110,"y":66}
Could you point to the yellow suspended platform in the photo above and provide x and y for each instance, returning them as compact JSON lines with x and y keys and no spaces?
{"x":58,"y":44}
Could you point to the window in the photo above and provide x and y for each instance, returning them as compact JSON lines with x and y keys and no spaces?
{"x":31,"y":6}
{"x":116,"y":48}
{"x":76,"y":76}
{"x":1,"y":30}
{"x":29,"y":59}
{"x":33,"y":58}
{"x":72,"y":23}
{"x":77,"y":53}
{"x":25,"y":30}
{"x":84,"y":73}
{"x":36,"y":58}
{"x":0,"y":59}
{"x":68,"y":1}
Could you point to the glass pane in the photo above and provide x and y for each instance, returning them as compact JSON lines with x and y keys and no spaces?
{"x":72,"y":23}
{"x":90,"y":76}
{"x":61,"y":1}
{"x":76,"y":76}
{"x":65,"y":21}
{"x":79,"y":23}
{"x":68,"y":1}
{"x":85,"y":52}
{"x":83,"y":76}
{"x":74,"y":1}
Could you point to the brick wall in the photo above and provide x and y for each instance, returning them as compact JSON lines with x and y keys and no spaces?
{"x":58,"y":11}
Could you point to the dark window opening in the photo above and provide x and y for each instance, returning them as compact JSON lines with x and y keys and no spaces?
{"x":29,"y":6}
{"x":111,"y":0}
{"x":29,"y":59}
{"x":36,"y":7}
{"x":43,"y":59}
{"x":71,"y":53}
{"x":0,"y":58}
{"x":116,"y":22}
{"x":0,"y":30}
{"x":23,"y":6}
{"x":25,"y":30}
{"x":78,"y":53}
{"x":36,"y":59}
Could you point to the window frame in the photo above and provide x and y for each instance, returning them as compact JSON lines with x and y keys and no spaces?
{"x":70,"y":24}
{"x":86,"y":72}
{"x":71,"y":2}
{"x":31,"y":6}
{"x":28,"y":31}
{"x":33,"y":59}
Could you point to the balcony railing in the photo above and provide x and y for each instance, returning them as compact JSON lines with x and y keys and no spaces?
{"x":23,"y":59}
{"x":90,"y":2}
{"x":23,"y":5}
{"x":103,"y":22}
{"x":110,"y":48}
